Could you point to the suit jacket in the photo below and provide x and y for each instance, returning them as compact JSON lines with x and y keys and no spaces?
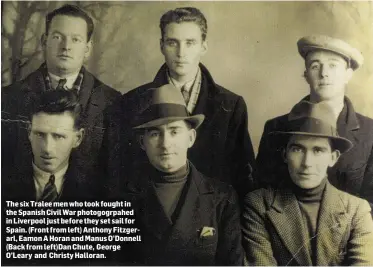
{"x":95,"y":98}
{"x":207,"y":202}
{"x":353,"y":172}
{"x":223,"y":147}
{"x":273,"y":231}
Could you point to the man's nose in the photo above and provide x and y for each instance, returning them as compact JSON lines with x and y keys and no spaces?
{"x":324,"y":71}
{"x":48,"y":145}
{"x":181,"y":50}
{"x":66,"y":43}
{"x":165,"y":140}
{"x":307,"y":159}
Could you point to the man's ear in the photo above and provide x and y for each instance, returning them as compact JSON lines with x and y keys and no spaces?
{"x":29,"y":130}
{"x":348,"y":75}
{"x":43,"y":40}
{"x":140,"y":138}
{"x":204,"y":47}
{"x":161,"y":45}
{"x":192,"y":137}
{"x":78,"y":138}
{"x":88,"y":49}
{"x":283,"y":154}
{"x":334,"y":157}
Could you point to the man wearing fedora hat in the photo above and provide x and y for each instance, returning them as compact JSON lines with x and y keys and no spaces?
{"x":223,"y":147}
{"x":184,"y":217}
{"x":303,"y":219}
{"x":330,"y":64}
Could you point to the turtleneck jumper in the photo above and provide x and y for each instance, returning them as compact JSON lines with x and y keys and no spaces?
{"x":309,"y":203}
{"x":169,"y":188}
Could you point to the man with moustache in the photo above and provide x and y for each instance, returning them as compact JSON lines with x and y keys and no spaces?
{"x":303,"y":219}
{"x":223,"y":146}
{"x":67,"y":42}
{"x":330,"y":64}
{"x":183,"y":217}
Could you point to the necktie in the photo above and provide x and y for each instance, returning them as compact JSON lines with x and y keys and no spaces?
{"x":186,"y":94}
{"x":61,"y":84}
{"x":50,"y":191}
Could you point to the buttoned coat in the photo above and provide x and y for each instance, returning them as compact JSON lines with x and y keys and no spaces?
{"x":207,"y":203}
{"x":274,"y":232}
{"x":223,"y":147}
{"x":353,"y":172}
{"x":94,"y":96}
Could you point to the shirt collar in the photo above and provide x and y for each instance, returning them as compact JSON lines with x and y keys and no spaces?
{"x":44,"y":176}
{"x":69,"y":83}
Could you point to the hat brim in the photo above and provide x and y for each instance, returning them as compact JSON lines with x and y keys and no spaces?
{"x":340,"y":143}
{"x":195,"y":121}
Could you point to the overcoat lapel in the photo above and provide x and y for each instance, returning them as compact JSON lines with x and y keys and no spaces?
{"x":286,"y":218}
{"x":190,"y":218}
{"x":150,"y":211}
{"x":331,"y":226}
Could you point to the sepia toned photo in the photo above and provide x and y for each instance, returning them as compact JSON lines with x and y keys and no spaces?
{"x":187,"y":133}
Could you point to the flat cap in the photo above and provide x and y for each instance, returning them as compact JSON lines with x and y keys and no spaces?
{"x":323,"y":42}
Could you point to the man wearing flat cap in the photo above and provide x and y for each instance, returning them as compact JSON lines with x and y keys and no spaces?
{"x":303,"y":219}
{"x":330,"y":64}
{"x":184,"y":217}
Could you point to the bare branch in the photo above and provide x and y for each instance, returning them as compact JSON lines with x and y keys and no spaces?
{"x":5,"y":71}
{"x":6,"y":34}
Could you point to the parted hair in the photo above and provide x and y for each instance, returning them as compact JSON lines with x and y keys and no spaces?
{"x":184,"y":14}
{"x":57,"y":102}
{"x":73,"y":11}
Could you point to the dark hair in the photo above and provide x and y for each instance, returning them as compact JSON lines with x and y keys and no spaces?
{"x":73,"y":11}
{"x":184,"y":14}
{"x":56,"y":102}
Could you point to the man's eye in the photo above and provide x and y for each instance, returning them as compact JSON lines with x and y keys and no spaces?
{"x":332,"y":65}
{"x":296,"y":149}
{"x":317,"y":150}
{"x":56,"y":37}
{"x":77,"y":40}
{"x":59,"y":136}
{"x":39,"y":134}
{"x":154,"y":134}
{"x":315,"y":67}
{"x":174,"y":132}
{"x":171,"y":43}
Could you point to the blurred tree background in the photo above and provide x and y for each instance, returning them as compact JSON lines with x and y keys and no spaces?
{"x":252,"y":46}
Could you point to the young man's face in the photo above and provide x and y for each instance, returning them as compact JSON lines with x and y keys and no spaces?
{"x":308,"y":159}
{"x":66,"y":45}
{"x":327,"y":74}
{"x":52,"y":138}
{"x":167,"y":145}
{"x":182,"y":47}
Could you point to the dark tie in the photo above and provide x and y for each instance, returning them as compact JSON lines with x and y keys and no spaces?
{"x":50,"y":191}
{"x":186,"y":94}
{"x":61,"y":84}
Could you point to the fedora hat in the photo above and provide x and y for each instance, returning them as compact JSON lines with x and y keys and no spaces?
{"x":317,"y":120}
{"x":164,"y":105}
{"x":323,"y":42}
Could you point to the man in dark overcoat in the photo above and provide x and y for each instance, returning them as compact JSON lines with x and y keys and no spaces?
{"x":223,"y":148}
{"x":330,"y":64}
{"x":183,"y":217}
{"x":303,"y":219}
{"x":67,"y":42}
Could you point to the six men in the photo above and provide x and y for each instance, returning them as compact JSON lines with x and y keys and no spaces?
{"x":158,"y":145}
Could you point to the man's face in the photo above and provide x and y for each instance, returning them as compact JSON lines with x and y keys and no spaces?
{"x":167,"y":145}
{"x":327,"y":74}
{"x":182,"y":47}
{"x":308,"y":159}
{"x":52,"y":138}
{"x":66,"y":45}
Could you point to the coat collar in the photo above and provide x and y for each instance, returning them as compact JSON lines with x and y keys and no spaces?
{"x":286,"y":218}
{"x":152,"y":215}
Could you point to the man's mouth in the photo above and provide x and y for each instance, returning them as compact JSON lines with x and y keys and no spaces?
{"x":64,"y":56}
{"x":46,"y":157}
